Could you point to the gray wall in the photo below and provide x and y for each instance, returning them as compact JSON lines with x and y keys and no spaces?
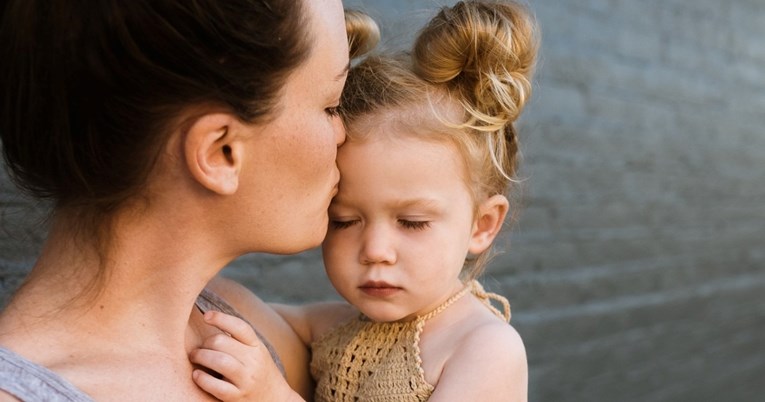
{"x":636,"y":268}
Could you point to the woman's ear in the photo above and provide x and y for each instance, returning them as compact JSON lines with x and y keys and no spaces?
{"x":213,"y":152}
{"x":488,"y":222}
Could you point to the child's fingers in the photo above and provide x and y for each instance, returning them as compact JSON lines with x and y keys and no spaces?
{"x":234,"y":326}
{"x":238,"y":354}
{"x":221,"y":362}
{"x":247,"y":371}
{"x":221,"y":389}
{"x":241,"y":361}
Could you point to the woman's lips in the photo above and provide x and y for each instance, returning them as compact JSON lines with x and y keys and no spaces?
{"x":379,"y":289}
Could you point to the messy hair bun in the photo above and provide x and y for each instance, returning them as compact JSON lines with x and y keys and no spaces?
{"x":487,"y":51}
{"x":363,"y":32}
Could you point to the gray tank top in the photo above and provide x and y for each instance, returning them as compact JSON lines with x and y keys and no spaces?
{"x":28,"y":381}
{"x":31,"y":382}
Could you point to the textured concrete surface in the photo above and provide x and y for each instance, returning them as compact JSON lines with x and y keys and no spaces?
{"x":636,"y":269}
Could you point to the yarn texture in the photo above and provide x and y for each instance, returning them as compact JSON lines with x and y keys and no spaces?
{"x":362,"y":360}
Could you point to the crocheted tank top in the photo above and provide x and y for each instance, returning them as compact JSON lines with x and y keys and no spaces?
{"x":362,"y":360}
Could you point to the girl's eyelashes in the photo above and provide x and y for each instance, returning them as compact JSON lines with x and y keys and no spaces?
{"x":333,"y":224}
{"x":405,"y":223}
{"x":414,"y":225}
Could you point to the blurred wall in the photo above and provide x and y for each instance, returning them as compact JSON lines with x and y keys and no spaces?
{"x":637,"y":268}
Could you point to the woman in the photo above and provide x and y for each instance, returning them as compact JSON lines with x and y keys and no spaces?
{"x":172,"y":137}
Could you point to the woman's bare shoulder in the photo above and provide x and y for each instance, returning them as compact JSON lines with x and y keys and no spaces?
{"x":234,"y":293}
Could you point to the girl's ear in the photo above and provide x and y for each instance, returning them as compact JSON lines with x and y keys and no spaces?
{"x":488,"y":222}
{"x":213,"y":152}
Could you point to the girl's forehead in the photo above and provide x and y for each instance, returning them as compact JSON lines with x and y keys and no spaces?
{"x":433,"y":112}
{"x":399,"y":123}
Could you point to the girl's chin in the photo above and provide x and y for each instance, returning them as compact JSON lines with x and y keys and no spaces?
{"x":378,"y":316}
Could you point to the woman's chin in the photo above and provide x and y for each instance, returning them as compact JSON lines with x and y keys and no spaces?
{"x":297,"y":244}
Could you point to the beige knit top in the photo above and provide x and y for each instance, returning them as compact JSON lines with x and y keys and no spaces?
{"x":362,"y":360}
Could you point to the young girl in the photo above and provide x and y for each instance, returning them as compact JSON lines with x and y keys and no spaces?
{"x":430,"y":154}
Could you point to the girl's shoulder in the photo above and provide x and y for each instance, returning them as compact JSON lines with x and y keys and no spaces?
{"x":494,"y":339}
{"x":333,"y":314}
{"x":487,"y":362}
{"x":481,"y":331}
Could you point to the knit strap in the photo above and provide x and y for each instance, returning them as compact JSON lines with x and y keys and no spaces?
{"x":486,"y":298}
{"x":420,"y":324}
{"x":483,"y":296}
{"x":445,"y":304}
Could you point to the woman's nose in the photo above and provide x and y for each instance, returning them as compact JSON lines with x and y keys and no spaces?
{"x":339,"y":132}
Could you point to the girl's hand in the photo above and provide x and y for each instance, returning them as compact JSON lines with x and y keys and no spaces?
{"x":247,"y":369}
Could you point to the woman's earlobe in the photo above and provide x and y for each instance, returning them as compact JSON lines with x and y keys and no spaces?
{"x":488,"y":223}
{"x":213,"y":153}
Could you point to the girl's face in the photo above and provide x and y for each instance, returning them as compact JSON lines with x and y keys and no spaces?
{"x":400,"y":226}
{"x":293,"y":175}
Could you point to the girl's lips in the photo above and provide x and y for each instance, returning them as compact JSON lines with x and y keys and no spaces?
{"x":379,"y":289}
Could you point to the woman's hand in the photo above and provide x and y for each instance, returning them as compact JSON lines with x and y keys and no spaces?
{"x":248,"y":373}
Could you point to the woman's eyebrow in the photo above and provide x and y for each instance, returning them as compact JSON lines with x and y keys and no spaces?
{"x":344,"y":72}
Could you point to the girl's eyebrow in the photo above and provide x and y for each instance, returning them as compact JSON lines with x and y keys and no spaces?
{"x":427,"y":203}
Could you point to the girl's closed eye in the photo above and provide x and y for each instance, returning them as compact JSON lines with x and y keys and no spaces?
{"x":414,"y":225}
{"x":341,"y":224}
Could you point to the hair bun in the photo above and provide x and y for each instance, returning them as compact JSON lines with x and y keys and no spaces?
{"x":363,"y":32}
{"x":487,"y":51}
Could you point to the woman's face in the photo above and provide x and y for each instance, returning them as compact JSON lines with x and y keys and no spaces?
{"x":292,"y":176}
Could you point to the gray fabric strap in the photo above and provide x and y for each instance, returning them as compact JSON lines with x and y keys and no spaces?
{"x":31,"y":382}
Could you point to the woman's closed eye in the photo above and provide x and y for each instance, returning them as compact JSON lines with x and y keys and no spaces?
{"x":333,"y":111}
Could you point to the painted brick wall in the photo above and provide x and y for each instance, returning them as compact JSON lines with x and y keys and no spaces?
{"x":637,"y":268}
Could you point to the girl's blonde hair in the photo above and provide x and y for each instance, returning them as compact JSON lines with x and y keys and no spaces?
{"x":466,"y":81}
{"x":363,"y":32}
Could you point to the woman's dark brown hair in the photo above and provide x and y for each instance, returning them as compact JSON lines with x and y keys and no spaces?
{"x":89,"y":89}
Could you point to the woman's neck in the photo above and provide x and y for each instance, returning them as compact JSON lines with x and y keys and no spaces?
{"x":127,"y":312}
{"x":140,"y":291}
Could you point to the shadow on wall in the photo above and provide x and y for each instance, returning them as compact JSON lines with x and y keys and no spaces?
{"x":22,"y":231}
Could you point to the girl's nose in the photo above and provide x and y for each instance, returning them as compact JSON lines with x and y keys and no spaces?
{"x":377,"y":246}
